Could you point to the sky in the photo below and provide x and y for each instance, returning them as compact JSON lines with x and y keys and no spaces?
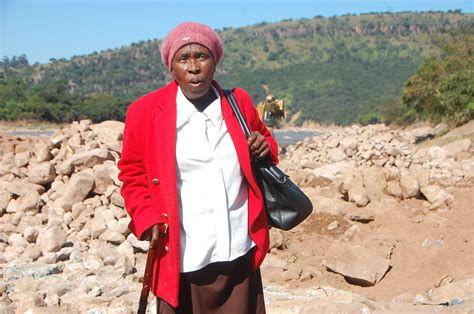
{"x":45,"y":29}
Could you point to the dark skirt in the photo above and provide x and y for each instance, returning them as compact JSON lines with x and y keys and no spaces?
{"x":223,"y":287}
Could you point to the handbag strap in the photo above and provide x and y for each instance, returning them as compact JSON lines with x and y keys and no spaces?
{"x":233,"y":104}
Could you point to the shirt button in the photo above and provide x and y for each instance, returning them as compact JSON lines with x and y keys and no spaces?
{"x":155,"y":181}
{"x":166,"y":249}
{"x":165,"y":216}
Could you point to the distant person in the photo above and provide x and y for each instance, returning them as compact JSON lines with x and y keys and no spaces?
{"x":186,"y":166}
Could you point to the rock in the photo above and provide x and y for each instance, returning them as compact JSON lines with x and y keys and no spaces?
{"x":92,"y":262}
{"x":349,"y":145}
{"x":124,"y":266}
{"x":112,"y":237}
{"x":333,"y":225}
{"x":32,"y":251}
{"x":437,"y":196}
{"x":358,"y":195}
{"x":436,"y":153}
{"x":293,"y":273}
{"x":332,"y":142}
{"x":394,"y":189}
{"x":65,"y":168}
{"x":421,"y":174}
{"x":277,"y":239}
{"x":78,"y":188}
{"x":22,"y":159}
{"x":458,"y":290}
{"x":104,"y":177}
{"x":20,"y":188}
{"x":5,"y":198}
{"x":410,"y":186}
{"x":322,"y":204}
{"x":29,"y":202}
{"x":358,"y":265}
{"x":95,"y":227}
{"x":332,"y":171}
{"x":310,"y":164}
{"x":110,"y":133}
{"x":125,"y":248}
{"x":16,"y":239}
{"x":89,"y":159}
{"x":42,"y":173}
{"x":12,"y":253}
{"x":362,"y":216}
{"x":51,"y":239}
{"x":30,"y":234}
{"x":141,"y":246}
{"x":374,"y":182}
{"x":456,"y":147}
{"x":117,"y":200}
{"x":42,"y":152}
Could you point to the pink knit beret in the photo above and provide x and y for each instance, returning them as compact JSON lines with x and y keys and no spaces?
{"x":190,"y":33}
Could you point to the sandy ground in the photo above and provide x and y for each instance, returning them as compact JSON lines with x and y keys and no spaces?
{"x":429,"y":249}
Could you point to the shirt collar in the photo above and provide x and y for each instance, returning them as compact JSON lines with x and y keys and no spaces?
{"x":185,"y":109}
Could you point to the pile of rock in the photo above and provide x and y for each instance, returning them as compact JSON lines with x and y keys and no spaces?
{"x":63,"y":227}
{"x":373,"y":161}
{"x":64,"y":238}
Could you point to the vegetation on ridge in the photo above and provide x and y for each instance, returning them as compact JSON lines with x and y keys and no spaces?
{"x":339,"y":69}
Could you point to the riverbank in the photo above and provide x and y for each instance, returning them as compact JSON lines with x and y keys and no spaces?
{"x":391,"y":227}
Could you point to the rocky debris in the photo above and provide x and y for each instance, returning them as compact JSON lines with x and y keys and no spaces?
{"x":65,"y":244}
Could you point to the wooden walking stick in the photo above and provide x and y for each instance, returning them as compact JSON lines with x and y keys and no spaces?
{"x":155,"y":234}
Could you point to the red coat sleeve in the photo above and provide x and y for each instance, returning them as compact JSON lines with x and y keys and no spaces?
{"x":133,"y":174}
{"x":255,"y":124}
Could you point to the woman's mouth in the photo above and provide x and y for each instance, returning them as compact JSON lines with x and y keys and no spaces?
{"x":195,"y":84}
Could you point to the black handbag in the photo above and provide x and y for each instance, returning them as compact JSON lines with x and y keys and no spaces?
{"x":286,"y":205}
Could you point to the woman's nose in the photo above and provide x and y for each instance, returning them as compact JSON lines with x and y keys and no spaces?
{"x":193,"y":66}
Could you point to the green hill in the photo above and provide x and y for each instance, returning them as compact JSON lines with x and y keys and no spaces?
{"x":336,"y":69}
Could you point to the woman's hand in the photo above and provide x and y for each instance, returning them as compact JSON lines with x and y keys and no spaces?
{"x":258,"y":145}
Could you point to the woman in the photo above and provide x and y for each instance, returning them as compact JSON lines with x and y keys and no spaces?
{"x":185,"y":165}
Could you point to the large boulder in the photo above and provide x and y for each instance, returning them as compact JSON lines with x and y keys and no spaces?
{"x":359,"y":265}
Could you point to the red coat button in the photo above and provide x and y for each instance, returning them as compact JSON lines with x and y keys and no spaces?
{"x":155,"y":181}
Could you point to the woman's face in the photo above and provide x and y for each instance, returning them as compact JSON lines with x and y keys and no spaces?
{"x":193,"y":68}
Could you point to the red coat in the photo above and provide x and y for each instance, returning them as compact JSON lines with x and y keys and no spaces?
{"x":148,"y":172}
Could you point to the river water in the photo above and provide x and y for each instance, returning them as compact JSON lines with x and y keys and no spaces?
{"x":285,"y":137}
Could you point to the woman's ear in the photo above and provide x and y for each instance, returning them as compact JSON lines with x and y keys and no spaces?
{"x":171,"y":70}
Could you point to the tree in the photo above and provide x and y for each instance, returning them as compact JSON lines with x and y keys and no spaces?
{"x":443,"y":87}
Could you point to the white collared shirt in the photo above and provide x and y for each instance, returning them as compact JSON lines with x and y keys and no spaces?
{"x":212,"y":192}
